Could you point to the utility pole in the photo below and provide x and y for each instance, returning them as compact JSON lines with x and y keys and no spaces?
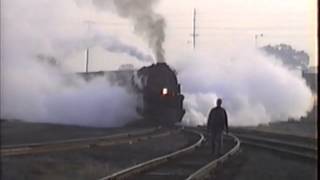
{"x":87,"y":58}
{"x":87,"y":51}
{"x":194,"y":29}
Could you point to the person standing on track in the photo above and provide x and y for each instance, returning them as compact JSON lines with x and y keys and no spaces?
{"x":217,"y":123}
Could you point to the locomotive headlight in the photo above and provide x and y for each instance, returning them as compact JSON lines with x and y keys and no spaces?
{"x":164,"y":91}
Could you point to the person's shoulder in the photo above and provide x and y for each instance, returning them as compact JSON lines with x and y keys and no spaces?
{"x":214,"y":108}
{"x":219,"y":109}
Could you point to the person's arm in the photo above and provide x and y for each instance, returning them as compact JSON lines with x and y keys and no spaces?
{"x":209,"y":121}
{"x":227,"y":128}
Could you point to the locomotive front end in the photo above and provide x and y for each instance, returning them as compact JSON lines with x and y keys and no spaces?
{"x":160,"y":94}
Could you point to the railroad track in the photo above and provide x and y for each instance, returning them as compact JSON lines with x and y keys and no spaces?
{"x":310,"y":141}
{"x":82,"y":143}
{"x":295,"y":146}
{"x":192,"y":162}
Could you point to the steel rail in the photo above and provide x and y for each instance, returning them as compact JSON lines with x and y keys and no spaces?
{"x":297,"y":146}
{"x":290,"y":149}
{"x":275,"y":133}
{"x":144,"y":166}
{"x":84,"y":142}
{"x":279,"y":142}
{"x":205,"y":171}
{"x":74,"y":140}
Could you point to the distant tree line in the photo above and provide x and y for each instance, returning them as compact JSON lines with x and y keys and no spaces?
{"x":289,"y":56}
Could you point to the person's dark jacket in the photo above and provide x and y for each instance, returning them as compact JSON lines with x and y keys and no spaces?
{"x":217,"y":120}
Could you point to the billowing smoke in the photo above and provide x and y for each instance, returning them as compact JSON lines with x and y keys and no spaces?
{"x":98,"y":38}
{"x":255,"y":89}
{"x":127,"y":49}
{"x":35,"y":91}
{"x":147,"y":23}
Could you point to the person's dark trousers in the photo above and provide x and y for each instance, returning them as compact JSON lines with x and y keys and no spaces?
{"x":216,"y":142}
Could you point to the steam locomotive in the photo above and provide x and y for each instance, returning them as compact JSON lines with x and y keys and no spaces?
{"x":159,"y":92}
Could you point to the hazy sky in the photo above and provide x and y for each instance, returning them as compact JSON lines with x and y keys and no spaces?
{"x":219,"y":24}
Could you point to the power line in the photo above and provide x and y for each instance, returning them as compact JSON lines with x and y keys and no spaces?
{"x":208,"y":26}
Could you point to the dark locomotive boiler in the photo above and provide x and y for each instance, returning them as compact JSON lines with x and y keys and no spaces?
{"x":159,"y":93}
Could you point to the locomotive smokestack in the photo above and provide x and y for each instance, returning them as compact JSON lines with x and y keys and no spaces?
{"x":147,"y":23}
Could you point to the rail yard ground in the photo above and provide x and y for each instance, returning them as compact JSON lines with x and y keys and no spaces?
{"x":20,"y":132}
{"x":90,"y":163}
{"x":251,"y":163}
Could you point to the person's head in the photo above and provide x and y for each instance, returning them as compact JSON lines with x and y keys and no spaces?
{"x":219,"y":102}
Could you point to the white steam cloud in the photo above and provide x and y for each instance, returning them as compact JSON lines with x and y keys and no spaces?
{"x":35,"y":91}
{"x":255,"y":89}
{"x":99,"y":38}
